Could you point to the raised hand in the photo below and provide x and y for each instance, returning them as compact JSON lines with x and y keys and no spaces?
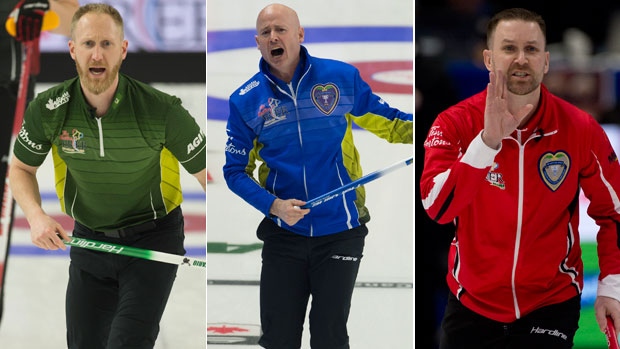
{"x":28,"y":17}
{"x":499,"y":122}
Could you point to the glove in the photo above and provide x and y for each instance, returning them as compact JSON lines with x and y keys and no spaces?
{"x":28,"y":17}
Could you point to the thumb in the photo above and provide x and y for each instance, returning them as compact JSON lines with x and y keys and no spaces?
{"x":601,"y":320}
{"x":524,"y":111}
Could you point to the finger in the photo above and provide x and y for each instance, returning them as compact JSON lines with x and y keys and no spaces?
{"x":491,"y":85}
{"x":611,"y":333}
{"x":51,"y":245}
{"x":57,"y":242}
{"x":62,"y":234}
{"x":500,"y":82}
{"x":524,"y":111}
{"x":49,"y":241}
{"x":42,"y":243}
{"x":601,"y":320}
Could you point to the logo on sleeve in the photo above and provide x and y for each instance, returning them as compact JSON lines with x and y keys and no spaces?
{"x":196,"y":142}
{"x":553,"y":168}
{"x":53,"y":104}
{"x":248,"y":87}
{"x":436,"y":138}
{"x":325,"y":97}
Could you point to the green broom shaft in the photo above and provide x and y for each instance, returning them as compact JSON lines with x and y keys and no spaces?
{"x":158,"y":256}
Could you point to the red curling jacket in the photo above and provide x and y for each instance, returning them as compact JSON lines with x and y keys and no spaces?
{"x":516,"y":209}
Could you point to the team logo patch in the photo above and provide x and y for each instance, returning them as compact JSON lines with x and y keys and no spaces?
{"x":272,"y":112}
{"x":325,"y":97}
{"x":553,"y":168}
{"x":73,"y":142}
{"x":496,"y":178}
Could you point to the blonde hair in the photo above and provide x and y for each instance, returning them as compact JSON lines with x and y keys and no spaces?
{"x":101,"y":9}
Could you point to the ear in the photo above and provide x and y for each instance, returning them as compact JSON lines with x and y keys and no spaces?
{"x":301,"y":34}
{"x":546,"y":62}
{"x":488,"y":63}
{"x":256,"y":39}
{"x":124,"y":48}
{"x":72,"y":49}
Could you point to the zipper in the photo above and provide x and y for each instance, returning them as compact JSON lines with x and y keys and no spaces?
{"x":101,"y":148}
{"x":520,"y":211}
{"x":293,"y":95}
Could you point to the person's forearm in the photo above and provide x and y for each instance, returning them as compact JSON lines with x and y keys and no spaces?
{"x":25,"y":190}
{"x":65,"y":10}
{"x":202,"y":178}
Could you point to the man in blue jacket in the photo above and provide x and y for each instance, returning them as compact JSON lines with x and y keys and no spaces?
{"x":295,"y":117}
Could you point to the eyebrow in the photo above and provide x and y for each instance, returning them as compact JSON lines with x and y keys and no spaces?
{"x":275,"y":25}
{"x":510,"y":41}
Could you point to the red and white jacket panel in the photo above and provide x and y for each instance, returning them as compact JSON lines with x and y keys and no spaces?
{"x":516,"y":209}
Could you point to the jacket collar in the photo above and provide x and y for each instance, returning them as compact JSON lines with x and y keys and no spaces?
{"x":544,"y":120}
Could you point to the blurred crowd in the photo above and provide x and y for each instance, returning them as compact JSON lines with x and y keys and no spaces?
{"x":584,"y":42}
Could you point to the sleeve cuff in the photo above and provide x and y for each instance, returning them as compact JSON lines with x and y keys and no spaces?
{"x":609,"y":287}
{"x":478,"y":154}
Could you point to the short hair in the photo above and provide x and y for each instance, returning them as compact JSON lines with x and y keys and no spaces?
{"x":101,"y":9}
{"x":515,"y":14}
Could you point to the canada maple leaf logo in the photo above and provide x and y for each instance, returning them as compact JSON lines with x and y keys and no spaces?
{"x":223,"y":329}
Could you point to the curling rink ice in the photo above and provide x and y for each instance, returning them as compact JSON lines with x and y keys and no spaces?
{"x":377,"y":38}
{"x":34,"y":299}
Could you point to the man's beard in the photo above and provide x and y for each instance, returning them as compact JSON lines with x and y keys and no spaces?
{"x":522,"y":88}
{"x":97,"y":86}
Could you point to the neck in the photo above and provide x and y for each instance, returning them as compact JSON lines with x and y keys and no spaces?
{"x":516,"y":102}
{"x":102,"y":101}
{"x":284,"y":75}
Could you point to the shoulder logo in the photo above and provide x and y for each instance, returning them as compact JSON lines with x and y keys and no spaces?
{"x":195,"y":143}
{"x":248,"y":87}
{"x":325,"y":97}
{"x":435,"y":138}
{"x":553,"y":168}
{"x":53,"y":104}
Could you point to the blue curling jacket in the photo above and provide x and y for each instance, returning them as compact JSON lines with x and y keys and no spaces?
{"x":301,"y":133}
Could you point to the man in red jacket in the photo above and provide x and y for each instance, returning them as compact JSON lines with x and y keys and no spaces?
{"x":506,"y":166}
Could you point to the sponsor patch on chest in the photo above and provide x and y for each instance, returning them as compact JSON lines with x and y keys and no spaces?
{"x":72,"y":142}
{"x":272,"y":112}
{"x":496,"y":178}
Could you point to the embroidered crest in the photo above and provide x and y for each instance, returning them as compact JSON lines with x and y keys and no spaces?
{"x":553,"y":168}
{"x":73,"y":143}
{"x":495,"y":178}
{"x":272,"y":112}
{"x":325,"y":97}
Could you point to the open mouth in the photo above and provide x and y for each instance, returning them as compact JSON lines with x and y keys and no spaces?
{"x":277,"y":52}
{"x":97,"y":70}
